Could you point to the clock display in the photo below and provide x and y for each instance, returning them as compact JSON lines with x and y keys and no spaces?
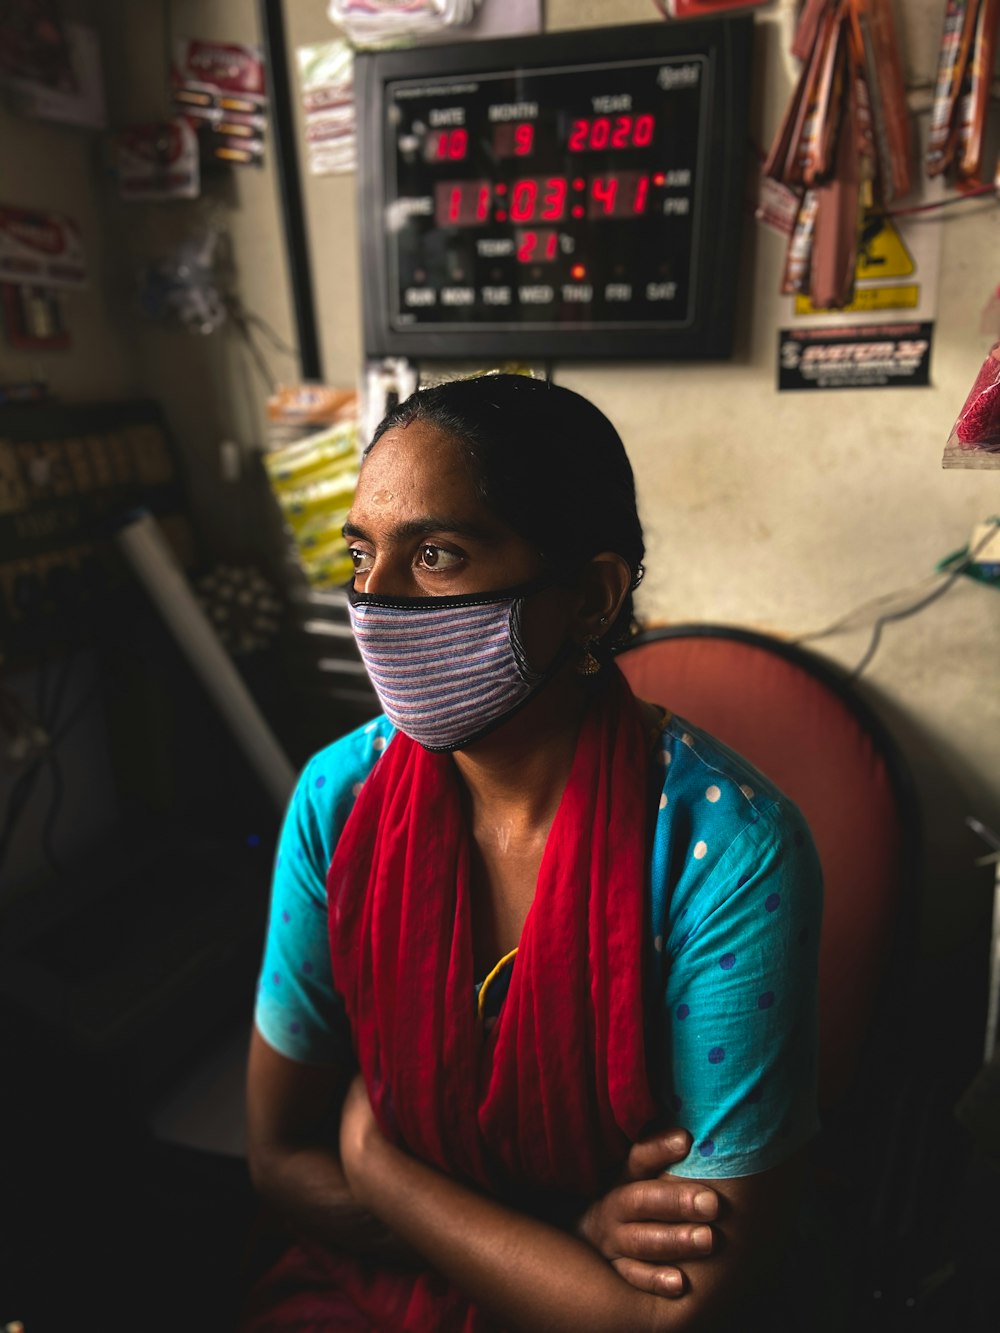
{"x":549,"y":196}
{"x":557,"y":194}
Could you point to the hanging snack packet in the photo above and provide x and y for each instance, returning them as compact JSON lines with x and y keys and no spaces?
{"x":978,"y":423}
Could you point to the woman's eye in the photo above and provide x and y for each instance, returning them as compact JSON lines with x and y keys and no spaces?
{"x":435,"y":557}
{"x":362,"y":560}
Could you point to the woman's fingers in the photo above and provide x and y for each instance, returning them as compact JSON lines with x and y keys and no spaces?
{"x":649,"y":1156}
{"x":667,"y":1199}
{"x":660,"y":1281}
{"x":663,"y":1243}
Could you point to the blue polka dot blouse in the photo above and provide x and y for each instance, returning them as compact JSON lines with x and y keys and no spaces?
{"x":734,"y":912}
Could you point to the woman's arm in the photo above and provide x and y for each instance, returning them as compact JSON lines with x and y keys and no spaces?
{"x":293,"y":1110}
{"x":531,"y":1276}
{"x":644,"y":1226}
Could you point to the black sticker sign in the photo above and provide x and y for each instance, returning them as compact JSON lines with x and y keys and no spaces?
{"x":864,"y":356}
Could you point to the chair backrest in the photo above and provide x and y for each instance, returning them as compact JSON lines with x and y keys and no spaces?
{"x":803,"y":725}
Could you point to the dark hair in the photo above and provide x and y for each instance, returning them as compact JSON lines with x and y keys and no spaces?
{"x":546,"y":461}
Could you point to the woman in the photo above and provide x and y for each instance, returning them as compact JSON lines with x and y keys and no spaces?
{"x":524,"y":922}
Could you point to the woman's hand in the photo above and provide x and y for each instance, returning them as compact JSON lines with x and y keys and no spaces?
{"x":359,"y":1135}
{"x":649,"y":1222}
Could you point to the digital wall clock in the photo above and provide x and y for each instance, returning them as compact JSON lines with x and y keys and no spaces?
{"x":570,"y":195}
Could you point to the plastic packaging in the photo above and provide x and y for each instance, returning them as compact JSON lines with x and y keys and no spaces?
{"x":313,"y":481}
{"x":978,"y":423}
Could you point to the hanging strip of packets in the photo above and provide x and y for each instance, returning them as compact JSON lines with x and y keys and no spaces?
{"x":844,"y":144}
{"x":962,"y":91}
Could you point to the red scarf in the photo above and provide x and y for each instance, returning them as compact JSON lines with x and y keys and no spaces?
{"x":552,"y":1098}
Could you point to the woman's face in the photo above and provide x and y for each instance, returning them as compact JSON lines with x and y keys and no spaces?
{"x":417,"y":528}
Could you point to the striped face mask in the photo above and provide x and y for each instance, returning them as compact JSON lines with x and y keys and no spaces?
{"x":447,"y":669}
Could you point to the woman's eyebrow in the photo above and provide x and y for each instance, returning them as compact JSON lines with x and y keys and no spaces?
{"x":423,"y":527}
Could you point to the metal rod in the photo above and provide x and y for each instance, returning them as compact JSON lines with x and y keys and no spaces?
{"x":271,"y":18}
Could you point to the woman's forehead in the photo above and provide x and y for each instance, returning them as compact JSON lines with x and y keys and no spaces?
{"x":421,"y":451}
{"x":416,"y":470}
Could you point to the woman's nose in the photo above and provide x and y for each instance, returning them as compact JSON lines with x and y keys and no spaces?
{"x":383,"y":579}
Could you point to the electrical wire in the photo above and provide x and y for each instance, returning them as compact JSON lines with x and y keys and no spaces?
{"x":967,"y":196}
{"x":19,"y":796}
{"x":245,"y":322}
{"x":904,"y":614}
{"x":52,"y":814}
{"x":862,"y":613}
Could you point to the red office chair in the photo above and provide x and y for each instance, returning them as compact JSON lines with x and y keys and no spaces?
{"x":800,"y":721}
{"x":803,"y":725}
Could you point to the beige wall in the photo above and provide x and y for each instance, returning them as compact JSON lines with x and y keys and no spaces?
{"x":780,"y":511}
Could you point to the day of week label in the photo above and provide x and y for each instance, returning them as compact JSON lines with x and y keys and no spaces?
{"x":496,"y":296}
{"x":618,"y":291}
{"x":458,"y":296}
{"x":420,"y":296}
{"x":577,"y":291}
{"x":661,"y":291}
{"x":541,"y":294}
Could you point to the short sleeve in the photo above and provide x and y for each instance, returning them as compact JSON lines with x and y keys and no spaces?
{"x":739,"y":965}
{"x":297,"y":1011}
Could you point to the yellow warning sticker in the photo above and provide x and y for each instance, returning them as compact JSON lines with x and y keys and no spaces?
{"x":882,"y":252}
{"x":883,"y":258}
{"x":904,"y":297}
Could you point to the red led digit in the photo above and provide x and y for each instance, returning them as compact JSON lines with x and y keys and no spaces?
{"x":600,"y":132}
{"x":641,"y":193}
{"x":458,"y":141}
{"x":603,"y":190}
{"x":578,"y":136}
{"x":554,"y":199}
{"x":522,"y":201}
{"x":642,"y":133}
{"x":524,"y":139}
{"x":620,"y":134}
{"x":462,"y":203}
{"x":551,"y":245}
{"x":441,"y":147}
{"x":527,"y":242}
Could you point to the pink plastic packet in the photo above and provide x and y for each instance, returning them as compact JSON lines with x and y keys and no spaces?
{"x":978,"y":423}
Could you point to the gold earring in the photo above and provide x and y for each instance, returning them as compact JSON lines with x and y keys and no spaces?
{"x":588,"y":664}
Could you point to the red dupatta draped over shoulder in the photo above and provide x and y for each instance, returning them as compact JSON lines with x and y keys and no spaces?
{"x":553,"y":1096}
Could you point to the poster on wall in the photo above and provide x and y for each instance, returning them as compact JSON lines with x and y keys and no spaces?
{"x":81,"y":103}
{"x":326,"y":82}
{"x":863,"y":356}
{"x":34,"y":46}
{"x":40,"y":249}
{"x":158,"y":161}
{"x":220,"y":88}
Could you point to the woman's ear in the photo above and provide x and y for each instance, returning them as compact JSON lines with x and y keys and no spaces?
{"x":604,"y":585}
